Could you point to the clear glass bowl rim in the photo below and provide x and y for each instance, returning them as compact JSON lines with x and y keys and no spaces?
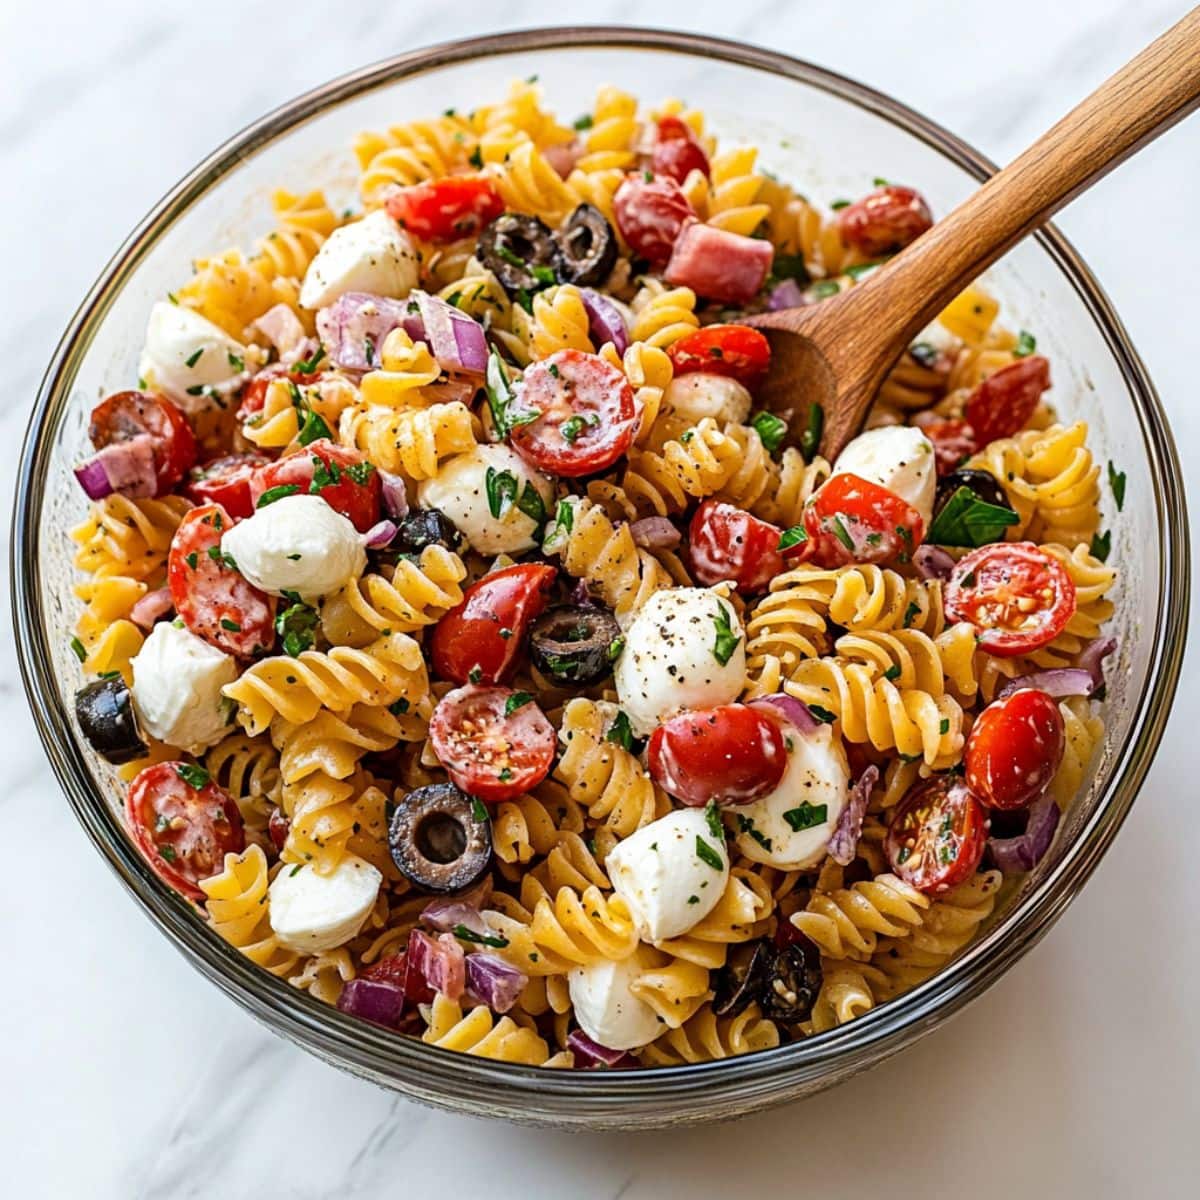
{"x":589,"y":1099}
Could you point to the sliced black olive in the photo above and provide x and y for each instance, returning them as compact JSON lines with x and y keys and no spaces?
{"x":105,"y":713}
{"x":791,"y":986}
{"x":741,"y":980}
{"x":983,"y":484}
{"x":440,"y":838}
{"x":422,"y":527}
{"x":588,"y":247}
{"x":575,"y":644}
{"x":520,"y":251}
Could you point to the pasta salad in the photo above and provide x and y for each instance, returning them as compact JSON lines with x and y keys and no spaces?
{"x":477,"y":655}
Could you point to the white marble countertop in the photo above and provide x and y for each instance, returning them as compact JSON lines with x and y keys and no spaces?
{"x":124,"y":1075}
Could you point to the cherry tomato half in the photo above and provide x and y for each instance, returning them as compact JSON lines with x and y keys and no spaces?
{"x":1003,"y":403}
{"x":728,"y":543}
{"x":485,"y":633}
{"x":254,"y":394}
{"x":737,"y":351}
{"x":588,"y":417}
{"x":183,"y":830}
{"x":733,"y":754}
{"x":126,"y":415}
{"x":492,"y":746}
{"x":953,"y":443}
{"x":225,"y":481}
{"x":444,"y":210}
{"x":677,"y":153}
{"x":650,"y":213}
{"x":937,"y":835}
{"x":1016,"y":595}
{"x":213,"y":599}
{"x":852,"y":520}
{"x":1014,"y":749}
{"x":886,"y":220}
{"x":340,"y":476}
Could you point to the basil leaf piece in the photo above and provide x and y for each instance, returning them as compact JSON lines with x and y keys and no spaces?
{"x":515,"y":701}
{"x":297,"y":627}
{"x":806,"y":816}
{"x":796,"y":536}
{"x":1026,"y":344}
{"x":313,"y":429}
{"x":707,"y":855}
{"x":966,"y":520}
{"x":1102,"y":545}
{"x":531,"y":504}
{"x":810,"y":439}
{"x":501,"y":491}
{"x":727,"y":641}
{"x":276,"y":493}
{"x":193,"y":775}
{"x":771,"y":430}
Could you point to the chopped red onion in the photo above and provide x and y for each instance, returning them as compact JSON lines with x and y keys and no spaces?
{"x":456,"y":340}
{"x":440,"y":962}
{"x":844,"y":842}
{"x":373,"y":1000}
{"x":380,"y":535}
{"x":591,"y":1054}
{"x":1026,"y":850}
{"x":563,"y":156}
{"x":444,"y":915}
{"x":932,"y":562}
{"x":283,"y":330}
{"x":794,"y":711}
{"x":125,"y":467}
{"x":151,"y":608}
{"x":353,"y":327}
{"x":1091,"y":659}
{"x":497,"y":983}
{"x":605,"y":322}
{"x":1058,"y":682}
{"x":395,"y":495}
{"x":656,"y":533}
{"x":785,"y":295}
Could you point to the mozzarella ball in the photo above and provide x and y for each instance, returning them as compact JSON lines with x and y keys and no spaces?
{"x":607,"y":1010}
{"x":297,"y":544}
{"x":311,"y":912}
{"x":661,"y":874}
{"x":460,"y":491}
{"x":696,"y":395}
{"x":670,"y":662}
{"x":190,"y":360}
{"x":372,"y":255}
{"x":791,"y":827}
{"x":897,"y":457}
{"x":177,"y":682}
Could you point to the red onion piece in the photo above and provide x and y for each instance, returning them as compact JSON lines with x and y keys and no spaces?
{"x":785,"y":295}
{"x":1091,"y":659}
{"x":563,"y":156}
{"x":283,"y":330}
{"x":125,"y":467}
{"x":395,"y":495}
{"x":151,"y":608}
{"x":440,"y":962}
{"x":1026,"y":850}
{"x":93,"y":478}
{"x":656,"y":533}
{"x":591,"y":1054}
{"x":844,"y":842}
{"x":353,"y":327}
{"x":373,"y":1000}
{"x":380,"y":535}
{"x":494,"y":981}
{"x":932,"y":562}
{"x":1058,"y":682}
{"x":794,"y":711}
{"x":444,"y":915}
{"x":605,"y":322}
{"x":456,"y":340}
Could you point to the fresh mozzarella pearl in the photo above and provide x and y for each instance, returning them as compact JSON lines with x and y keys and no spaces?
{"x":659,"y":873}
{"x":460,"y":491}
{"x":817,"y":774}
{"x":669,"y":663}
{"x":372,"y":255}
{"x":297,"y":544}
{"x":607,"y":1010}
{"x":177,"y":682}
{"x":311,"y":912}
{"x":191,"y":360}
{"x":897,"y":457}
{"x":696,"y":395}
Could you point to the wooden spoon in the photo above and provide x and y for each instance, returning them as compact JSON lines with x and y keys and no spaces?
{"x":837,"y":353}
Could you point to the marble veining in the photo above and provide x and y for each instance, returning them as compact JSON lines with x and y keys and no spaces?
{"x":125,"y":1075}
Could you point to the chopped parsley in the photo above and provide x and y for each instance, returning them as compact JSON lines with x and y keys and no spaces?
{"x":707,"y":855}
{"x":806,"y":816}
{"x":893,"y":672}
{"x":572,"y":427}
{"x":276,"y":493}
{"x":839,"y":204}
{"x":500,"y":397}
{"x":361,"y":472}
{"x":307,"y":366}
{"x":480,"y":939}
{"x":193,"y":559}
{"x":842,"y":533}
{"x":325,"y":474}
{"x":1116,"y":481}
{"x":193,"y":359}
{"x":1102,"y":545}
{"x":501,"y":491}
{"x":824,"y":288}
{"x":219,"y":556}
{"x":78,"y":648}
{"x":584,"y":122}
{"x":795,"y":536}
{"x":967,"y":520}
{"x":726,"y":641}
{"x":944,"y":726}
{"x":314,"y":428}
{"x":1026,"y":344}
{"x":479,"y":809}
{"x":474,"y":675}
{"x":790,"y":266}
{"x":476,"y":158}
{"x":810,"y":439}
{"x":771,"y":430}
{"x":232,"y":626}
{"x":746,"y":825}
{"x":615,"y":647}
{"x":400,"y":707}
{"x":531,"y":504}
{"x":236,"y":362}
{"x":515,"y":701}
{"x":297,"y":627}
{"x":822,"y":714}
{"x":714,"y":820}
{"x":620,"y":732}
{"x":193,"y":775}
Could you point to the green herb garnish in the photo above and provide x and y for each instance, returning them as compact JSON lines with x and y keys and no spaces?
{"x":297,"y":627}
{"x":620,"y":732}
{"x":313,"y":429}
{"x":501,"y":491}
{"x":78,"y":647}
{"x":810,"y":439}
{"x":796,"y":536}
{"x":193,"y":775}
{"x":480,"y":939}
{"x":822,"y":714}
{"x":1116,"y":481}
{"x":515,"y":701}
{"x":771,"y":430}
{"x":1102,"y":545}
{"x":967,"y":520}
{"x":727,"y":641}
{"x":806,"y":816}
{"x":842,"y":533}
{"x":707,"y":855}
{"x":1026,"y":344}
{"x":276,"y":493}
{"x":713,"y":818}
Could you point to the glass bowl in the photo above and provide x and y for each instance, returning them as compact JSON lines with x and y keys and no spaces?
{"x":829,"y":136}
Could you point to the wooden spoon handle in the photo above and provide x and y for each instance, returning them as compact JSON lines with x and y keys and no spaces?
{"x":1146,"y":97}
